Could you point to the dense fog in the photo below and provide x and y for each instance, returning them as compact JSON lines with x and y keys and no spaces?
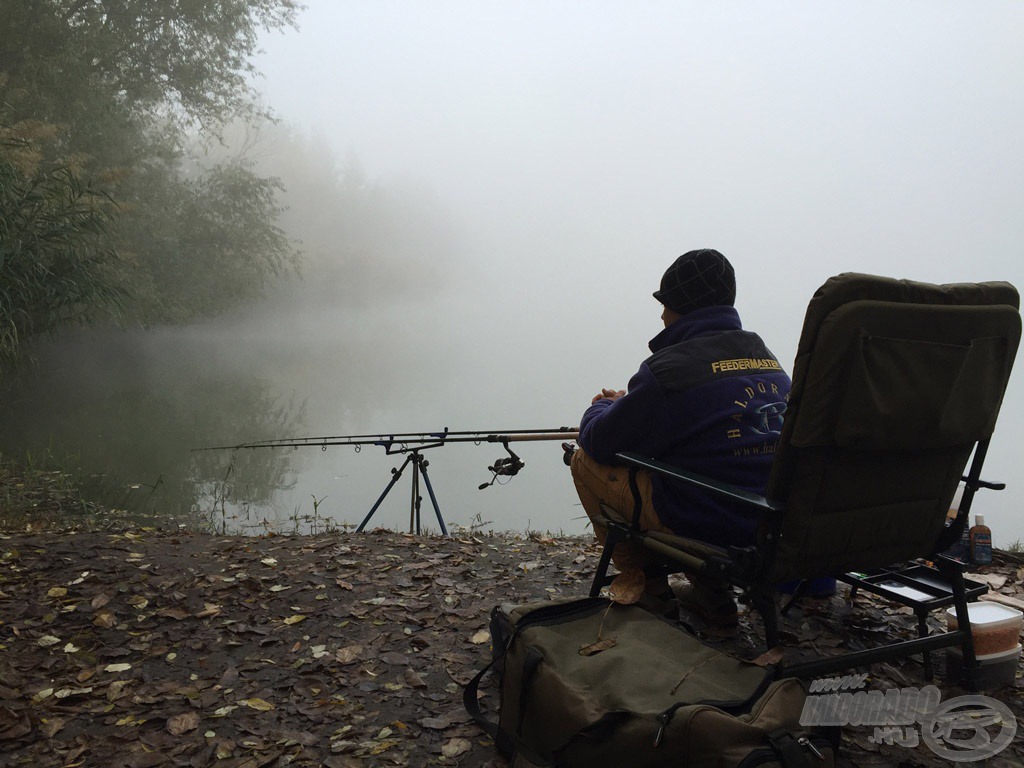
{"x":487,"y":193}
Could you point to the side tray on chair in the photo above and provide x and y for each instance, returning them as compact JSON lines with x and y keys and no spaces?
{"x":896,"y":385}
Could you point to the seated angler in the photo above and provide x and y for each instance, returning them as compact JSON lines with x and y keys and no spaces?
{"x":710,"y":399}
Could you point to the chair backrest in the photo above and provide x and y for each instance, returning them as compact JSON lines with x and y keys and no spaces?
{"x":894,"y":384}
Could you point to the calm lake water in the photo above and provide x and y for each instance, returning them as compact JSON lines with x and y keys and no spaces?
{"x":126,"y":409}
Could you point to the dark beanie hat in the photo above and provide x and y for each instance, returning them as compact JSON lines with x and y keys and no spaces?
{"x":702,"y":278}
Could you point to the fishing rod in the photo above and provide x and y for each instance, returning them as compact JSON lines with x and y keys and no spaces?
{"x":413,"y":444}
{"x":388,"y":439}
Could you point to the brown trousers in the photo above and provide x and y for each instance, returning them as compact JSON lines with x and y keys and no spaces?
{"x":597,"y":483}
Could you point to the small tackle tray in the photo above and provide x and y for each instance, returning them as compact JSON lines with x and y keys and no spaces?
{"x":917,"y":585}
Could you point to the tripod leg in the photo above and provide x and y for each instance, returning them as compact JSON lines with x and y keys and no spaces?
{"x":396,"y":476}
{"x":414,"y":505}
{"x":433,"y":500}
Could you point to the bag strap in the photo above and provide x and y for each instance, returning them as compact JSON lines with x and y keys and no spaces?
{"x":471,"y":701}
{"x":508,"y":745}
{"x":791,"y":753}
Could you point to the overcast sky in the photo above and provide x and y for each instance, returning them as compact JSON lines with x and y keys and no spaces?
{"x":580,"y":147}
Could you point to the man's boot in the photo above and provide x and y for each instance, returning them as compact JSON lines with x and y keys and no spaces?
{"x":710,"y":600}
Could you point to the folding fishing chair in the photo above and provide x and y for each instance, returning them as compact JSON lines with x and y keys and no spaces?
{"x":895,"y":384}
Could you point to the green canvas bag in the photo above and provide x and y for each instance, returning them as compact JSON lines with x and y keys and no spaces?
{"x":593,"y":684}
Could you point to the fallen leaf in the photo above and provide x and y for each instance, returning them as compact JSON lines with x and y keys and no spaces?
{"x":50,"y":727}
{"x":413,"y":679}
{"x":47,"y":640}
{"x":174,"y":612}
{"x":183,"y":723}
{"x":39,"y":696}
{"x":225,"y":749}
{"x":628,"y":586}
{"x":455,"y":747}
{"x":271,"y":561}
{"x":122,"y":667}
{"x":481,"y":636}
{"x":769,"y":657}
{"x":56,"y":592}
{"x":116,"y":689}
{"x":105,"y":619}
{"x":994,"y":580}
{"x":600,"y":645}
{"x":260,"y":705}
{"x":99,"y":601}
{"x":295,"y":619}
{"x":14,"y":724}
{"x":138,"y":602}
{"x":65,"y":693}
{"x":383,"y":746}
{"x":348,"y":654}
{"x":209,"y":610}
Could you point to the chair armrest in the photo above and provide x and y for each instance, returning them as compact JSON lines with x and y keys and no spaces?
{"x":985,"y":484}
{"x":733,"y":492}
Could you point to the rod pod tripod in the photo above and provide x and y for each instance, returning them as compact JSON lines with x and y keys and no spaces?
{"x":419,"y":468}
{"x":503,"y":467}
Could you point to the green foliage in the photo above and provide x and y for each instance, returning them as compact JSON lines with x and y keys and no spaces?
{"x":56,"y":266}
{"x":113,"y":91}
{"x":181,"y":60}
{"x":204,"y":244}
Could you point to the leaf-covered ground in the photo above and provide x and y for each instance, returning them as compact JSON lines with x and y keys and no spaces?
{"x":161,"y":649}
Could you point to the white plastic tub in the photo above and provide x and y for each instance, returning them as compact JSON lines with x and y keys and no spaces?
{"x":995,"y":627}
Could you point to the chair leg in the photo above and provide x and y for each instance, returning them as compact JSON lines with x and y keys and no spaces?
{"x":613,"y":538}
{"x":922,"y":631}
{"x":955,"y":577}
{"x":798,"y":593}
{"x":764,"y":603}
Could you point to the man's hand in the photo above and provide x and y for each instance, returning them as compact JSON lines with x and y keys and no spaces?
{"x":610,"y":394}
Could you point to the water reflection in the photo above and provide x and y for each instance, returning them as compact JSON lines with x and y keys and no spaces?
{"x":123,"y":411}
{"x":127,"y":408}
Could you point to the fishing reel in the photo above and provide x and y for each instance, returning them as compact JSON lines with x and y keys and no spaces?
{"x":504,"y":467}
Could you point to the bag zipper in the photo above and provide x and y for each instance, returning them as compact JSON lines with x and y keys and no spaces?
{"x":663,"y":721}
{"x":764,"y":755}
{"x":806,"y":743}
